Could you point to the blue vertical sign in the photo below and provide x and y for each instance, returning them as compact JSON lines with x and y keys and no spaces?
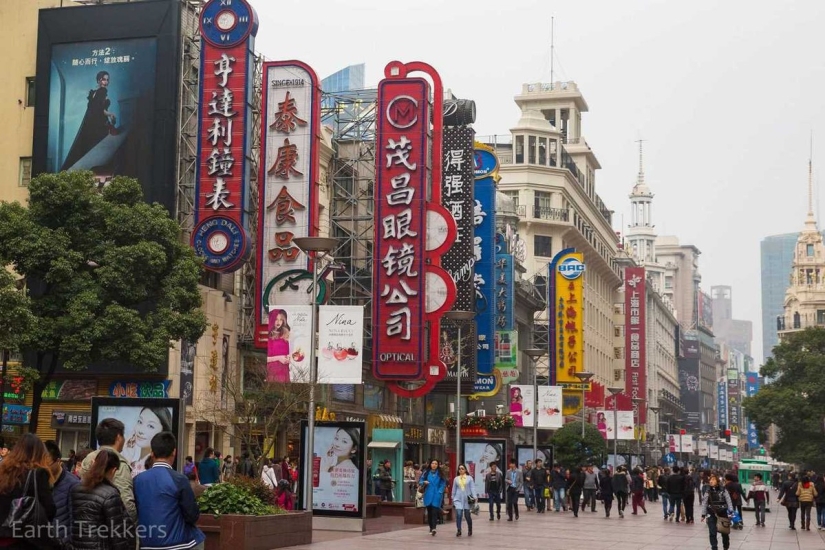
{"x":751,"y":388}
{"x":484,"y":246}
{"x":722,"y":403}
{"x":505,"y":312}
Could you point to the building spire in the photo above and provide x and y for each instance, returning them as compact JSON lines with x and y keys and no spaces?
{"x":810,"y":221}
{"x":641,"y":176}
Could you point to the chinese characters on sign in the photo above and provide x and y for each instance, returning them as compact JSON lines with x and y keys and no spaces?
{"x":505,"y":273}
{"x":734,"y":402}
{"x":289,"y":166}
{"x":398,"y":275}
{"x":722,"y":402}
{"x":135,"y":389}
{"x":635,"y":342}
{"x":751,"y":389}
{"x":565,"y":302}
{"x":485,"y":165}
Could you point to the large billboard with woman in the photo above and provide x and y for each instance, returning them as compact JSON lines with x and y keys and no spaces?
{"x":337,"y":467}
{"x":142,"y":418}
{"x":479,"y":454}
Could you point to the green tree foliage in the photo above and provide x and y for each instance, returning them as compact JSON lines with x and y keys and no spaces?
{"x":16,"y":320}
{"x":109,"y":278}
{"x":794,"y":400}
{"x":568,"y":448}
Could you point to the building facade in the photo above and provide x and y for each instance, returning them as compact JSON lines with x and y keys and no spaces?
{"x":777,"y":256}
{"x":681,"y":278}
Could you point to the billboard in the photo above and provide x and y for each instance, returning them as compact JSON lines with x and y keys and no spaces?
{"x":690,"y":388}
{"x":722,"y":403}
{"x":188,"y":353}
{"x":734,"y":403}
{"x":337,"y":468}
{"x":107,"y":94}
{"x":635,"y":339}
{"x":448,"y":344}
{"x":506,"y":345}
{"x":522,"y":405}
{"x":485,"y":168}
{"x":505,"y":292}
{"x":752,"y":384}
{"x":550,"y":406}
{"x":340,"y":344}
{"x":478,"y":454}
{"x":566,"y":327}
{"x":290,"y":338}
{"x":288,"y":202}
{"x":605,"y":425}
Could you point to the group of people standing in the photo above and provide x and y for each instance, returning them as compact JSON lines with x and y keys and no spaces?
{"x":800,"y":494}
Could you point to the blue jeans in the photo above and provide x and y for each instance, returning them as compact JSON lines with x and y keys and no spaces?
{"x":494,"y":498}
{"x":665,"y":500}
{"x":676,"y":505}
{"x":714,"y":544}
{"x":820,"y":514}
{"x":559,"y":499}
{"x":529,"y":500}
{"x":759,"y":510}
{"x":464,"y":514}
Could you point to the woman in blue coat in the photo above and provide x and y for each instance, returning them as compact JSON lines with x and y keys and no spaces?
{"x":463,"y":488}
{"x":433,"y":483}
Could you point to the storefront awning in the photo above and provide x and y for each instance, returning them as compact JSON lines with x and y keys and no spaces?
{"x":383,"y":445}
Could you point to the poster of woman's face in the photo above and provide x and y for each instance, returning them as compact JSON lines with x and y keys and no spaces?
{"x":478,"y":455}
{"x":336,"y":468}
{"x":141,"y":424}
{"x":288,"y":344}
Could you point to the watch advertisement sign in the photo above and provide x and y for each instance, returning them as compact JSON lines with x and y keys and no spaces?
{"x":288,"y":199}
{"x":484,"y":250}
{"x":221,"y":234}
{"x":734,"y":403}
{"x":565,"y":309}
{"x":635,"y":339}
{"x":340,"y":343}
{"x":399,"y":308}
{"x":290,"y":338}
{"x":448,"y":354}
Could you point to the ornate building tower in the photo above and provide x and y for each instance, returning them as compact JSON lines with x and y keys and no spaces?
{"x":641,"y":233}
{"x":805,"y":297}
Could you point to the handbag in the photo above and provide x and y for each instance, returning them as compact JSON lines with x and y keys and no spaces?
{"x":547,"y":492}
{"x":723,"y":525}
{"x":25,"y":511}
{"x":419,"y":499}
{"x":471,"y":500}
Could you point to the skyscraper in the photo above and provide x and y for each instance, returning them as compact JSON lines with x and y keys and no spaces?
{"x":736,"y":333}
{"x":777,"y":261}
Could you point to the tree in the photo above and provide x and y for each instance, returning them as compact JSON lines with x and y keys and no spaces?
{"x":568,"y":449}
{"x":794,"y":399}
{"x":108,"y":276}
{"x":253,"y":410}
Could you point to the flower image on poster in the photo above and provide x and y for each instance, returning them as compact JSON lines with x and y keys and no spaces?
{"x":478,"y":455}
{"x":549,"y":413}
{"x":101,"y":106}
{"x":287,"y":358}
{"x":336,"y":477}
{"x":340,"y":336}
{"x":142,"y":422}
{"x":522,"y":400}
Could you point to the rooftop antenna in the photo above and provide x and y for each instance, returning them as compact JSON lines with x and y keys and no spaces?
{"x":552,"y":48}
{"x":641,"y":177}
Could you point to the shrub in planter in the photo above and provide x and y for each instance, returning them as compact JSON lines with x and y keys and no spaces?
{"x":228,"y":498}
{"x":255,"y":487}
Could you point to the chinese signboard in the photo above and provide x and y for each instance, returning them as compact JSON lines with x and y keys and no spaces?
{"x":340,"y":344}
{"x":400,"y":229}
{"x":15,"y":388}
{"x":751,"y":389}
{"x":507,"y":355}
{"x":143,"y":388}
{"x":505,"y":292}
{"x":221,"y":235}
{"x":16,"y":414}
{"x":288,"y":197}
{"x":566,"y":325}
{"x":635,"y":342}
{"x":485,"y":168}
{"x":734,"y":402}
{"x":448,"y":354}
{"x":70,"y":390}
{"x":722,"y":403}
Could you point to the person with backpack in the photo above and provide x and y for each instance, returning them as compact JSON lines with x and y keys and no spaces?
{"x":716,"y":504}
{"x":788,"y":499}
{"x":736,"y":493}
{"x":761,"y":497}
{"x":688,"y":497}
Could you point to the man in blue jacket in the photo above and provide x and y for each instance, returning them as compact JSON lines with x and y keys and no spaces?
{"x":167,"y":511}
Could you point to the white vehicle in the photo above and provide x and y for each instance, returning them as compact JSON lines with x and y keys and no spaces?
{"x":747,"y":467}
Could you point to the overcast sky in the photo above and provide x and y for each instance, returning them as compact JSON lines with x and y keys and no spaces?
{"x":725,"y":93}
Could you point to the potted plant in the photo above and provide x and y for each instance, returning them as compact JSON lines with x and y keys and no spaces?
{"x":239,"y":515}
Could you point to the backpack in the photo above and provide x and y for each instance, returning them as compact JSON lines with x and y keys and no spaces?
{"x":690,"y":486}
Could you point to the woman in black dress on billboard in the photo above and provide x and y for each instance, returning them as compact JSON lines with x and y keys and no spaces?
{"x":97,"y":122}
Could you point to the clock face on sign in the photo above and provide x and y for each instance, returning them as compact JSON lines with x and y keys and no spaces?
{"x":227,"y":23}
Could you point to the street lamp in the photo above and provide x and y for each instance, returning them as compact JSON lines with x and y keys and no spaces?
{"x":535,"y":354}
{"x":637,"y":401}
{"x":681,"y":450}
{"x":583,"y":377}
{"x":316,"y":248}
{"x":655,"y":411}
{"x":614,"y":392}
{"x":459,"y":318}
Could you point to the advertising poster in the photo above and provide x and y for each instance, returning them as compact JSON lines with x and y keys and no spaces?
{"x":290,"y":336}
{"x":448,"y":354}
{"x":478,"y":455}
{"x":337,"y":467}
{"x":188,"y":352}
{"x":143,"y":419}
{"x":713,"y":451}
{"x":101,"y":106}
{"x":505,"y":292}
{"x":550,"y":405}
{"x":525,"y":453}
{"x":507,"y":356}
{"x":565,"y":301}
{"x":604,"y":423}
{"x":703,"y":447}
{"x":751,"y":389}
{"x":630,"y":461}
{"x":722,"y":403}
{"x":635,"y":337}
{"x":687,"y":443}
{"x":734,"y":403}
{"x":522,"y":400}
{"x":340,"y":344}
{"x":69,"y":390}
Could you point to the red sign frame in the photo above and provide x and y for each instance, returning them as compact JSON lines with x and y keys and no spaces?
{"x":635,"y":339}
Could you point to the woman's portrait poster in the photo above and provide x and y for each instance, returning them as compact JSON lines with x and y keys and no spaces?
{"x":288,"y":346}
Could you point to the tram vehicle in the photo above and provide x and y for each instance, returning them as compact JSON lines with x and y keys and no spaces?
{"x":746,"y":468}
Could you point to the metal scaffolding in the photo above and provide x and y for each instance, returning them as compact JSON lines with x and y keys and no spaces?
{"x":351,"y":115}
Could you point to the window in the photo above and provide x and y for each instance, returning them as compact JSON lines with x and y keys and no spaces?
{"x":519,"y":149}
{"x":72,"y":440}
{"x":543,"y":151}
{"x":820,"y":317}
{"x":810,"y":250}
{"x":531,"y":152}
{"x":29,"y":91}
{"x":25,"y":171}
{"x":668,"y":282}
{"x":543,"y":246}
{"x":514,"y":196}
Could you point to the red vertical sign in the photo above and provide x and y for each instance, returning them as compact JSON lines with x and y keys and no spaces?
{"x":635,"y":345}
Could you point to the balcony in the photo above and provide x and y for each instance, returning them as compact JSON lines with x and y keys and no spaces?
{"x":541,"y":213}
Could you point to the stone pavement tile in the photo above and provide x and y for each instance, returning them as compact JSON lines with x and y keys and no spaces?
{"x":783,"y":546}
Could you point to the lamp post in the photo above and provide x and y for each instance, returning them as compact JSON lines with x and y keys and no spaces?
{"x":637,"y":401}
{"x":681,"y":450}
{"x":614,"y":392}
{"x":583,"y":377}
{"x":459,"y":318}
{"x":655,"y":411}
{"x":316,"y":248}
{"x":535,"y":354}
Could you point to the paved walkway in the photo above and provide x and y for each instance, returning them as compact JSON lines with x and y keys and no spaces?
{"x":590,"y":531}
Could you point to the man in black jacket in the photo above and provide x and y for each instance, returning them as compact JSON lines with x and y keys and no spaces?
{"x":559,"y":484}
{"x":61,"y":493}
{"x":540,"y":482}
{"x":661,"y":481}
{"x":675,"y":491}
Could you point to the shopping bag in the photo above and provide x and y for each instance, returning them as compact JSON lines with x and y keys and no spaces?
{"x":419,"y":499}
{"x":547,"y":492}
{"x":723,"y":525}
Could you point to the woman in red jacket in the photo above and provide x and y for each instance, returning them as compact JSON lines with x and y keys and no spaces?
{"x":283,"y":496}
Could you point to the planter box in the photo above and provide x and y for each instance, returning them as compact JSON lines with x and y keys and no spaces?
{"x":230,"y":532}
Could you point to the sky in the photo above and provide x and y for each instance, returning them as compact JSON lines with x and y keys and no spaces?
{"x":725,"y":95}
